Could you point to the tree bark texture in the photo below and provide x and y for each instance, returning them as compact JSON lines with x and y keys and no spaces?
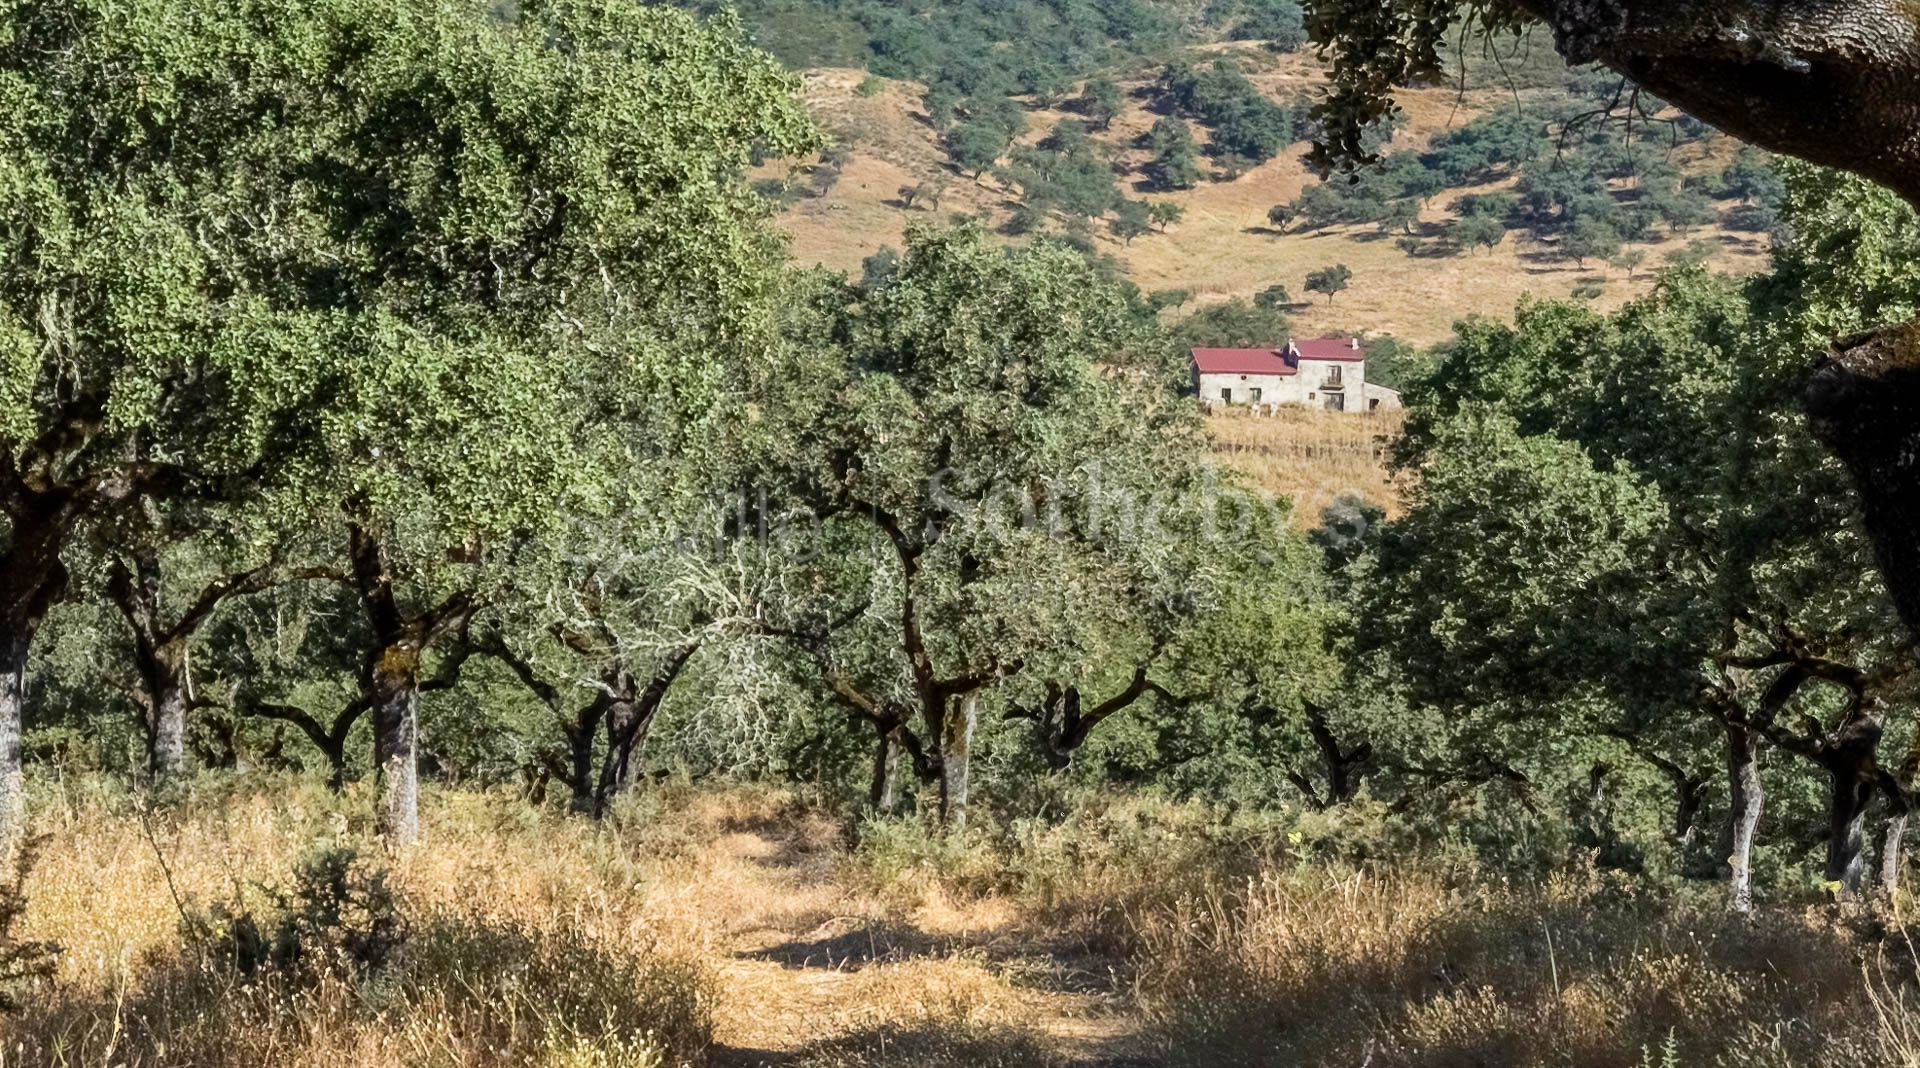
{"x":956,"y":761}
{"x":1745,"y":799}
{"x":881,"y":793}
{"x":395,"y":697}
{"x":1851,"y":792}
{"x":1893,"y":842}
{"x":32,"y":578}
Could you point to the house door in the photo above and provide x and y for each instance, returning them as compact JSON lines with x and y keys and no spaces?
{"x":1336,"y":402}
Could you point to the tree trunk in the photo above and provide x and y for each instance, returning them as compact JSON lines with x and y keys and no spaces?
{"x":1851,"y":759}
{"x":1688,"y":797}
{"x":13,"y":695}
{"x":880,"y":796}
{"x":395,"y":679}
{"x":956,"y":761}
{"x":580,"y":771}
{"x":629,"y":723}
{"x":630,"y":719}
{"x":1865,"y":404}
{"x":1851,"y":792}
{"x":31,"y":579}
{"x":1345,"y":767}
{"x":166,"y":722}
{"x":1745,"y":798}
{"x":1892,"y":844}
{"x":336,"y":754}
{"x":625,"y":733}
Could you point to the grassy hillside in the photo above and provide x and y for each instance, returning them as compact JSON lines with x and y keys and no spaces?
{"x":1224,"y":247}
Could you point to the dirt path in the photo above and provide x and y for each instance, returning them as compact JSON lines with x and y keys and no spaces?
{"x":805,"y":962}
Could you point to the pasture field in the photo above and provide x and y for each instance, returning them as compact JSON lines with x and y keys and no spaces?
{"x":1312,"y":456}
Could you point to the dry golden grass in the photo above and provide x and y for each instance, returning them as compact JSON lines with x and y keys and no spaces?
{"x":702,"y":927}
{"x":1409,"y":970}
{"x":1315,"y":457}
{"x":1224,"y":248}
{"x":732,"y":927}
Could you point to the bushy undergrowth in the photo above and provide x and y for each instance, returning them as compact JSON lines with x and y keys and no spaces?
{"x":529,"y":939}
{"x":1311,"y":967}
{"x":338,"y":960}
{"x":1253,"y":943}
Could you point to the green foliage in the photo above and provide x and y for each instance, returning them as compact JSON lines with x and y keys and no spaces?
{"x":977,"y":48}
{"x":340,"y":913}
{"x":1331,"y":281}
{"x":1475,"y":230}
{"x":1102,"y":100}
{"x":1132,"y":219}
{"x":1235,"y":324}
{"x":1175,"y":163}
{"x":1374,"y":49}
{"x":1243,"y":122}
{"x":1066,"y":173}
{"x":1280,"y":23}
{"x":983,"y":134}
{"x":1590,"y":240}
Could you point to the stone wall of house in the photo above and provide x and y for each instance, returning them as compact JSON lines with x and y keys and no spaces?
{"x":1274,"y":389}
{"x":1335,"y":384}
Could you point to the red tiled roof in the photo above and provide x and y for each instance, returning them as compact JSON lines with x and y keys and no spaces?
{"x":1243,"y":362}
{"x":1331,"y":348}
{"x":1277,"y":361}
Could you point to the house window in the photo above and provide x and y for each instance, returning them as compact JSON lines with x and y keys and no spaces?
{"x":1256,"y":394}
{"x":1226,"y":395}
{"x":1333,"y":378}
{"x":1313,"y":396}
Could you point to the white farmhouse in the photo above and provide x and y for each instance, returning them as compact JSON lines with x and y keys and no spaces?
{"x":1326,"y":372}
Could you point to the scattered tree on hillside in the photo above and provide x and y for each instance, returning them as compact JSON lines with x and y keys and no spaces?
{"x":1244,"y":123}
{"x":1274,"y":296}
{"x":983,"y":133}
{"x":1590,"y":240}
{"x":1102,"y":101}
{"x":1175,"y":163}
{"x":1473,"y":231}
{"x":1629,"y":261}
{"x":1331,"y":281}
{"x":1131,"y":219}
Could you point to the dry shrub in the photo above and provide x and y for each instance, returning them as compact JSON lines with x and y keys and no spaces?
{"x":523,"y":943}
{"x":24,"y":963}
{"x":1079,"y":880}
{"x":459,"y":994}
{"x":1305,"y":968}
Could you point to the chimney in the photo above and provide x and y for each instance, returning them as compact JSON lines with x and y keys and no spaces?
{"x":1356,"y":344}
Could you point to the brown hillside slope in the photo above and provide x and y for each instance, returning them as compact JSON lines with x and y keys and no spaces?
{"x":1223,"y":248}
